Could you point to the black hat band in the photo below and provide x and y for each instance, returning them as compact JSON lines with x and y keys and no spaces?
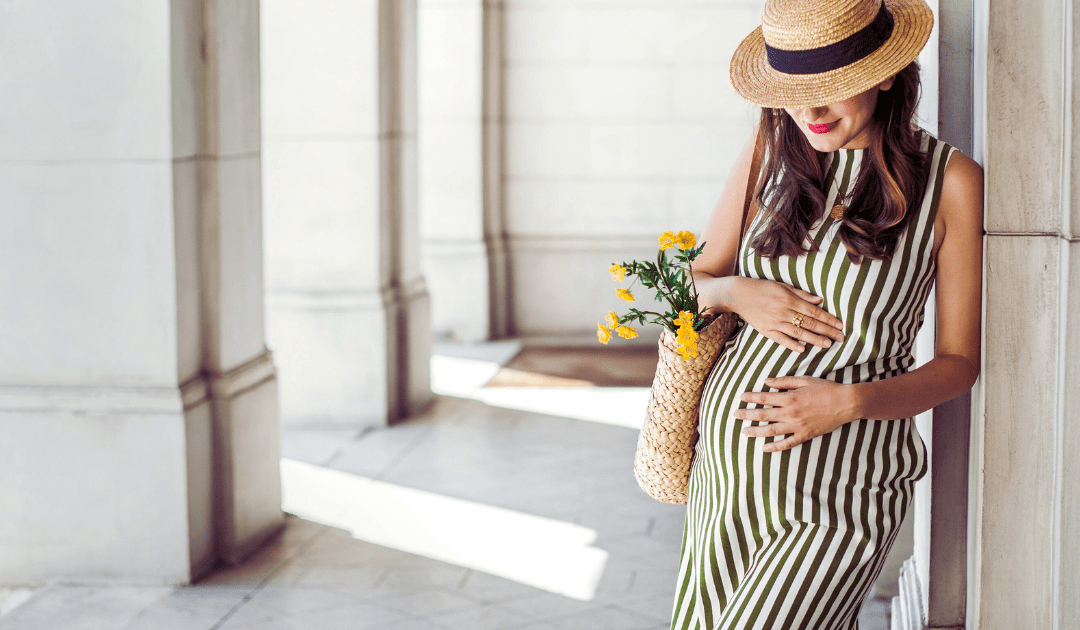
{"x":838,"y":54}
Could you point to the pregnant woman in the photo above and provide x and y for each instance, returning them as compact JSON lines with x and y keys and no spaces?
{"x":808,"y":453}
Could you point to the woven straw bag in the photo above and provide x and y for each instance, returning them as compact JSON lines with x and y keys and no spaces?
{"x":665,"y":447}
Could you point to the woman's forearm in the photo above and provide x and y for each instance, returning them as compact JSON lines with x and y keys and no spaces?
{"x":715,"y":292}
{"x":941,"y":379}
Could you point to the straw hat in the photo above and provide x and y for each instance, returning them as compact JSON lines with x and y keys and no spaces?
{"x":809,"y":53}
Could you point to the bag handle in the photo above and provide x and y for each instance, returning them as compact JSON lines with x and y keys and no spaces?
{"x":751,"y":188}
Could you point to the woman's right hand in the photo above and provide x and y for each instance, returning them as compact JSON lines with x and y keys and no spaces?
{"x":773,"y":308}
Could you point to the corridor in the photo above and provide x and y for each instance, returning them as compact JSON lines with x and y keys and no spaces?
{"x":509,"y":505}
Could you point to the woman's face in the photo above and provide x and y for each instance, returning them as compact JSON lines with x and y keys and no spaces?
{"x":842,"y":125}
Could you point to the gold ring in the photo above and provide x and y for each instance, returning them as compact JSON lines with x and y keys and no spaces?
{"x":797,"y":320}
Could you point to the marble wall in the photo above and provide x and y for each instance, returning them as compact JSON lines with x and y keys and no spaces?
{"x":91,"y":421}
{"x":1027,"y":533}
{"x":620,"y":124}
{"x":347,"y":308}
{"x":615,"y":122}
{"x":137,"y":400}
{"x":460,"y":61}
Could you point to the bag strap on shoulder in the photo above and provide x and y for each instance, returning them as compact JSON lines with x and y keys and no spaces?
{"x":751,"y":188}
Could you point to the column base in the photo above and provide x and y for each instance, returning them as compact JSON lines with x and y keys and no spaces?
{"x":331,"y":354}
{"x":457,"y":272}
{"x":908,"y":609}
{"x":246,"y":443}
{"x":410,"y":340}
{"x":94,"y":485}
{"x":352,"y":360}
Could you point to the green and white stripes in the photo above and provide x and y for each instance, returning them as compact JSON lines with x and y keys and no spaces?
{"x":795,"y":540}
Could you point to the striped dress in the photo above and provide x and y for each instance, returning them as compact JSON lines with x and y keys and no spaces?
{"x":795,"y":539}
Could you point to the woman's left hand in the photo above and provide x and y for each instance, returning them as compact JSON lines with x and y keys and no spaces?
{"x":808,"y":408}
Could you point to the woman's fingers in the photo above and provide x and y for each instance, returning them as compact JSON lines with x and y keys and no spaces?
{"x":766,"y":430}
{"x":786,"y":382}
{"x":795,"y":338}
{"x":809,"y":297}
{"x":775,"y":429}
{"x":811,"y":308}
{"x":803,"y":334}
{"x":826,"y":318}
{"x":815,"y":332}
{"x":784,"y":444}
{"x":786,"y":340}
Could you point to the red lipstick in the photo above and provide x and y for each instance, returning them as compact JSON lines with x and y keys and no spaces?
{"x":826,"y":128}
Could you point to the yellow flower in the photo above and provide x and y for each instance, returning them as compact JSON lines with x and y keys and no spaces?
{"x":686,"y":330}
{"x":685,"y":318}
{"x":618,"y":272}
{"x":687,"y":340}
{"x":612,"y":319}
{"x":685,"y":240}
{"x":667,"y":239}
{"x":603,"y":333}
{"x":688,"y":351}
{"x":625,"y":295}
{"x":687,"y":337}
{"x":626,"y":332}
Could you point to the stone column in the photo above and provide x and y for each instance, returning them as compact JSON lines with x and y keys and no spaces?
{"x":138,"y":408}
{"x":1027,"y":535}
{"x":933,"y":582}
{"x":235,"y":375}
{"x":347,"y":307}
{"x":462,"y":227}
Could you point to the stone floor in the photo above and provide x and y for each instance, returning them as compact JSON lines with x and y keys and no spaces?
{"x":476,"y":516}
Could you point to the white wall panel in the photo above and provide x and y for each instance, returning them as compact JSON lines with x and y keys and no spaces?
{"x":90,"y":85}
{"x":321,"y":199}
{"x":589,"y":92}
{"x":99,"y":235}
{"x":621,"y":124}
{"x":540,"y":34}
{"x":331,"y":49}
{"x":96,"y":494}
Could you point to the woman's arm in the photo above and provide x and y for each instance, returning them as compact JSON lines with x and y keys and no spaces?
{"x":769,"y":307}
{"x":955,"y":365}
{"x":812,"y":407}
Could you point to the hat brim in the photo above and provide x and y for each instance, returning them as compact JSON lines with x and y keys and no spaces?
{"x":756,"y":81}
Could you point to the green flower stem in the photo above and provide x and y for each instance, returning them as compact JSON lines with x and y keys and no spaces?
{"x":660,"y":259}
{"x":693,"y":290}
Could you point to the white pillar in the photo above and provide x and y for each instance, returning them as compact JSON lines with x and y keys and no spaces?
{"x":137,"y":402}
{"x":1027,"y":535}
{"x":347,"y":308}
{"x":460,"y":103}
{"x":237,"y":376}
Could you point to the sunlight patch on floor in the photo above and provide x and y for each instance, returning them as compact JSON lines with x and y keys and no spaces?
{"x":465,"y":378}
{"x":541,"y":552}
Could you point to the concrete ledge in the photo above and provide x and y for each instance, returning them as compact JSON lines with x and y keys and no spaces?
{"x":247,"y":446}
{"x":88,"y":399}
{"x":94,"y":494}
{"x":907,"y":608}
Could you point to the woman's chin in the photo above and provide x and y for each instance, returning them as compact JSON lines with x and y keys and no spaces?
{"x":825,"y":142}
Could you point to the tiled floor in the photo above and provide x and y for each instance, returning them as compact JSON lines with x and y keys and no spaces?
{"x":470,"y":459}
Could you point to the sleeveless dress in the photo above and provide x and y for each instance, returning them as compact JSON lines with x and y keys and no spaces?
{"x":796,"y":539}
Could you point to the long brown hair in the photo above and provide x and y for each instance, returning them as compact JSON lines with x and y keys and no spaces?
{"x":887,"y":191}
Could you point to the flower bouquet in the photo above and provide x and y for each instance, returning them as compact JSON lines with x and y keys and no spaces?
{"x":689,"y":345}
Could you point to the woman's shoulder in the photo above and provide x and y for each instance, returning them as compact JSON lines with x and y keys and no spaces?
{"x":961,"y":190}
{"x":961,"y":172}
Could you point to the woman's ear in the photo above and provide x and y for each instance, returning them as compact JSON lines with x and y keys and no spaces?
{"x":887,"y":83}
